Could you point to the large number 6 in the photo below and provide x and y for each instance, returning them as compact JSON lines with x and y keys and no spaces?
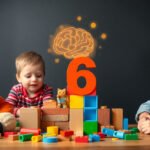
{"x":73,"y":75}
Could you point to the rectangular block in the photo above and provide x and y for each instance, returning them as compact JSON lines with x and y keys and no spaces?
{"x":76,"y":121}
{"x":49,"y":104}
{"x":125,"y":123}
{"x":55,"y":118}
{"x":76,"y":101}
{"x":55,"y":111}
{"x":91,"y":102}
{"x":13,"y":137}
{"x":117,"y":118}
{"x":104,"y":117}
{"x":90,"y":127}
{"x":90,"y":114}
{"x":30,"y":117}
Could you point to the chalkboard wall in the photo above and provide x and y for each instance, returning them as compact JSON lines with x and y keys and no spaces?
{"x":122,"y":60}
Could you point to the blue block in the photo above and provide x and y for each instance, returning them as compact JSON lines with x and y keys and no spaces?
{"x":118,"y":134}
{"x":94,"y":138}
{"x":50,"y":139}
{"x":107,"y":131}
{"x":90,"y":114}
{"x":125,"y":123}
{"x":91,"y":102}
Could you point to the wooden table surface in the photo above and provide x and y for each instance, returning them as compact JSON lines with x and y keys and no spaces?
{"x":143,"y":143}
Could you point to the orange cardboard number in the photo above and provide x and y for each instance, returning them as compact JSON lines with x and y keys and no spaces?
{"x":73,"y":75}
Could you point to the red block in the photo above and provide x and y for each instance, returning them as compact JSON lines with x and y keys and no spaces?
{"x":33,"y":131}
{"x":81,"y":139}
{"x":67,"y":133}
{"x":101,"y":134}
{"x":6,"y":134}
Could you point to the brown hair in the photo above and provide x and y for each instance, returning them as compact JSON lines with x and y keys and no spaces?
{"x":29,"y":58}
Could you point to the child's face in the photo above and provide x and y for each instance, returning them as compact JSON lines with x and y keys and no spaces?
{"x":32,"y":78}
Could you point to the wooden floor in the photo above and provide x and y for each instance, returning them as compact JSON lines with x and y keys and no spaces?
{"x":142,"y":144}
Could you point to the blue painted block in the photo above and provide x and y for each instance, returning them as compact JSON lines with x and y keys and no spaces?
{"x":107,"y":131}
{"x":118,"y":134}
{"x":50,"y":139}
{"x":94,"y":138}
{"x":91,"y":102}
{"x":125,"y":123}
{"x":90,"y":114}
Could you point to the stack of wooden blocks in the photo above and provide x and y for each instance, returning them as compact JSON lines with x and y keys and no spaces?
{"x":83,"y":114}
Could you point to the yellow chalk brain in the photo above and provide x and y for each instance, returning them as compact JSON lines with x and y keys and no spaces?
{"x":73,"y":42}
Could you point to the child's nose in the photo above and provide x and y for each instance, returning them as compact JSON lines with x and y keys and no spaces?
{"x":34,"y":78}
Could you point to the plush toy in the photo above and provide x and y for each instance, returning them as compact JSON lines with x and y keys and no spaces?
{"x":7,"y":119}
{"x":61,"y":98}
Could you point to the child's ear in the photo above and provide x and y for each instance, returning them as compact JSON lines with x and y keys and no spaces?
{"x":17,"y":77}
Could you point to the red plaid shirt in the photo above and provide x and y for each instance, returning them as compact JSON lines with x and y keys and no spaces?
{"x":18,"y":96}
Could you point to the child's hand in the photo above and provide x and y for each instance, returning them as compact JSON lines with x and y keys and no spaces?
{"x":144,"y":123}
{"x":145,"y":126}
{"x":18,"y":112}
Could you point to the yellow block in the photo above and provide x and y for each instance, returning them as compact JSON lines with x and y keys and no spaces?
{"x":76,"y":101}
{"x":52,"y":130}
{"x":36,"y":138}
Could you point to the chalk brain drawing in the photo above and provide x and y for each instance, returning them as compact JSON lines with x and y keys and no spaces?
{"x":72,"y":42}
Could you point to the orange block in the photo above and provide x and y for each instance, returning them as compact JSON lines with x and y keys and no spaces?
{"x":55,"y":111}
{"x":49,"y":104}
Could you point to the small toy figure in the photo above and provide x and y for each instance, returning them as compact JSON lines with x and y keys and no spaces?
{"x":61,"y":98}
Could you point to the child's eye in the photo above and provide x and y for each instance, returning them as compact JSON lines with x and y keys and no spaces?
{"x":27,"y":76}
{"x":38,"y":76}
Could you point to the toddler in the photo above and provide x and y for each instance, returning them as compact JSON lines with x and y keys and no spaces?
{"x":143,"y":117}
{"x":31,"y":90}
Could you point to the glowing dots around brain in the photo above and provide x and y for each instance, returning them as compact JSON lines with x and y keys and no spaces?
{"x":93,"y":25}
{"x":56,"y":60}
{"x":103,"y":36}
{"x":73,"y":42}
{"x":79,"y":18}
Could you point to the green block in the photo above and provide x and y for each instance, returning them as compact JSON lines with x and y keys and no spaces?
{"x":90,"y":127}
{"x":25,"y":137}
{"x":134,"y":130}
{"x":131,"y":137}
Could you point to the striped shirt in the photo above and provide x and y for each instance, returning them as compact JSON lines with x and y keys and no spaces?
{"x":18,"y":96}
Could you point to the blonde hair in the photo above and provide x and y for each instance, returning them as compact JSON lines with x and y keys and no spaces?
{"x":29,"y":58}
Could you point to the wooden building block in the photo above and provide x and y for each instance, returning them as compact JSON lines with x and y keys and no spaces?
{"x":49,"y":104}
{"x":30,"y":117}
{"x":117,"y":118}
{"x":76,"y":121}
{"x":13,"y":137}
{"x":76,"y":101}
{"x":55,"y":118}
{"x":55,"y":111}
{"x":104,"y":117}
{"x":63,"y":125}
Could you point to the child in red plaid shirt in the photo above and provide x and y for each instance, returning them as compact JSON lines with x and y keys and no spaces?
{"x":31,"y":90}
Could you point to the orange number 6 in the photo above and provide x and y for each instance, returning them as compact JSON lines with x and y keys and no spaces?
{"x":73,"y":74}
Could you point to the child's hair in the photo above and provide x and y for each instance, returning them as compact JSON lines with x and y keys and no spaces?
{"x":29,"y":58}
